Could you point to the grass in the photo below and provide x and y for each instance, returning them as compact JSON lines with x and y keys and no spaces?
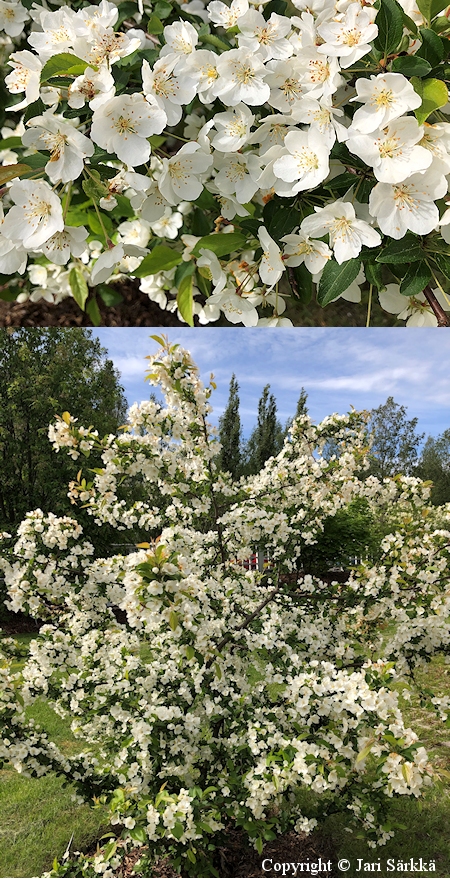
{"x":426,"y":826}
{"x":38,"y":816}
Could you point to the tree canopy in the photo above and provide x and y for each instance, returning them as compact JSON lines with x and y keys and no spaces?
{"x":44,"y":372}
{"x":394,"y":440}
{"x":230,"y":432}
{"x":434,"y":465}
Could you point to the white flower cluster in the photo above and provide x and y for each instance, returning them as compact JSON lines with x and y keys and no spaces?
{"x":265,"y":105}
{"x":212,"y":693}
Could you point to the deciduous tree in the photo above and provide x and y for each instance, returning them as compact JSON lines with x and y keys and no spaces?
{"x":44,"y":372}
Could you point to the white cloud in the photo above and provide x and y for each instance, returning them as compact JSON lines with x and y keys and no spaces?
{"x":338,"y":367}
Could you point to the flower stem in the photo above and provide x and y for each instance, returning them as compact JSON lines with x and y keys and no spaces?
{"x":369,"y":306}
{"x":441,"y":317}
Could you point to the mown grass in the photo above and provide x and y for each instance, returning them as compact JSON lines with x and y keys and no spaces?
{"x":426,"y":821}
{"x":38,"y":816}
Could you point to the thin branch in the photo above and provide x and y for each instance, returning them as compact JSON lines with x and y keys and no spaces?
{"x":247,"y":619}
{"x":441,"y":317}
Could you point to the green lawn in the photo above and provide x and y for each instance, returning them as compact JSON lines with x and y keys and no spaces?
{"x":38,"y":816}
{"x":426,"y":821}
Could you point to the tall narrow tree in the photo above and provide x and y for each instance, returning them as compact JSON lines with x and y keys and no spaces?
{"x":302,"y":409}
{"x":267,"y":436}
{"x":230,"y":433}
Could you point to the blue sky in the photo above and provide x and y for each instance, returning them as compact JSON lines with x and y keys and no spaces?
{"x":338,"y":367}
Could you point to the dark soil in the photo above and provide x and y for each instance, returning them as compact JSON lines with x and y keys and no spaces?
{"x":136,"y":310}
{"x":237,"y":859}
{"x":16,"y":623}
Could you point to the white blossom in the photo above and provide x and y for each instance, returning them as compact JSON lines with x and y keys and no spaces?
{"x":241,"y":78}
{"x":67,"y":146}
{"x":347,"y":233}
{"x":349,"y":37}
{"x":124,"y":123}
{"x":271,"y":266}
{"x":36,"y":214}
{"x":305,"y":162}
{"x":394,"y":153}
{"x":12,"y":17}
{"x":409,"y":205}
{"x":385,"y":97}
{"x":300,"y":248}
{"x":181,"y":177}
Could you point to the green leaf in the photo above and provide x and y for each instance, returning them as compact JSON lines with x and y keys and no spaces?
{"x":126,"y":9}
{"x":431,"y":8}
{"x":390,"y":27}
{"x":443,"y":263}
{"x":37,"y":161}
{"x":280,"y":218}
{"x":161,"y":259}
{"x":410,"y":24}
{"x":78,"y":286}
{"x":173,"y":620}
{"x":206,"y":201}
{"x":185,"y":300}
{"x":342,"y":182}
{"x":9,"y":295}
{"x":200,"y":225}
{"x":11,"y":143}
{"x":178,"y":830}
{"x":104,"y":172}
{"x":336,"y":278}
{"x":35,"y":109}
{"x":432,"y":48}
{"x":162,"y":9}
{"x":434,"y":94}
{"x":363,"y":189}
{"x":259,"y":845}
{"x":156,"y":140}
{"x":410,"y":65}
{"x":138,"y":834}
{"x":93,"y":311}
{"x":221,"y":243}
{"x":96,"y":226}
{"x":63,"y":64}
{"x":365,"y":751}
{"x":155,"y":25}
{"x":185,"y":268}
{"x":341,"y":152}
{"x":94,"y":188}
{"x":9,"y":172}
{"x":109,"y":296}
{"x":75,"y":217}
{"x":416,"y":278}
{"x":278,"y":6}
{"x":405,"y":250}
{"x":301,"y":283}
{"x":374,"y":274}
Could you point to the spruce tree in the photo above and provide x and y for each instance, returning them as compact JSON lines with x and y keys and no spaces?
{"x":302,"y":409}
{"x":267,"y":436}
{"x":230,"y":433}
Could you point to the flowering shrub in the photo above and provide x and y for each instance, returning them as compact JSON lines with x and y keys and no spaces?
{"x":206,"y":694}
{"x":235,"y":159}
